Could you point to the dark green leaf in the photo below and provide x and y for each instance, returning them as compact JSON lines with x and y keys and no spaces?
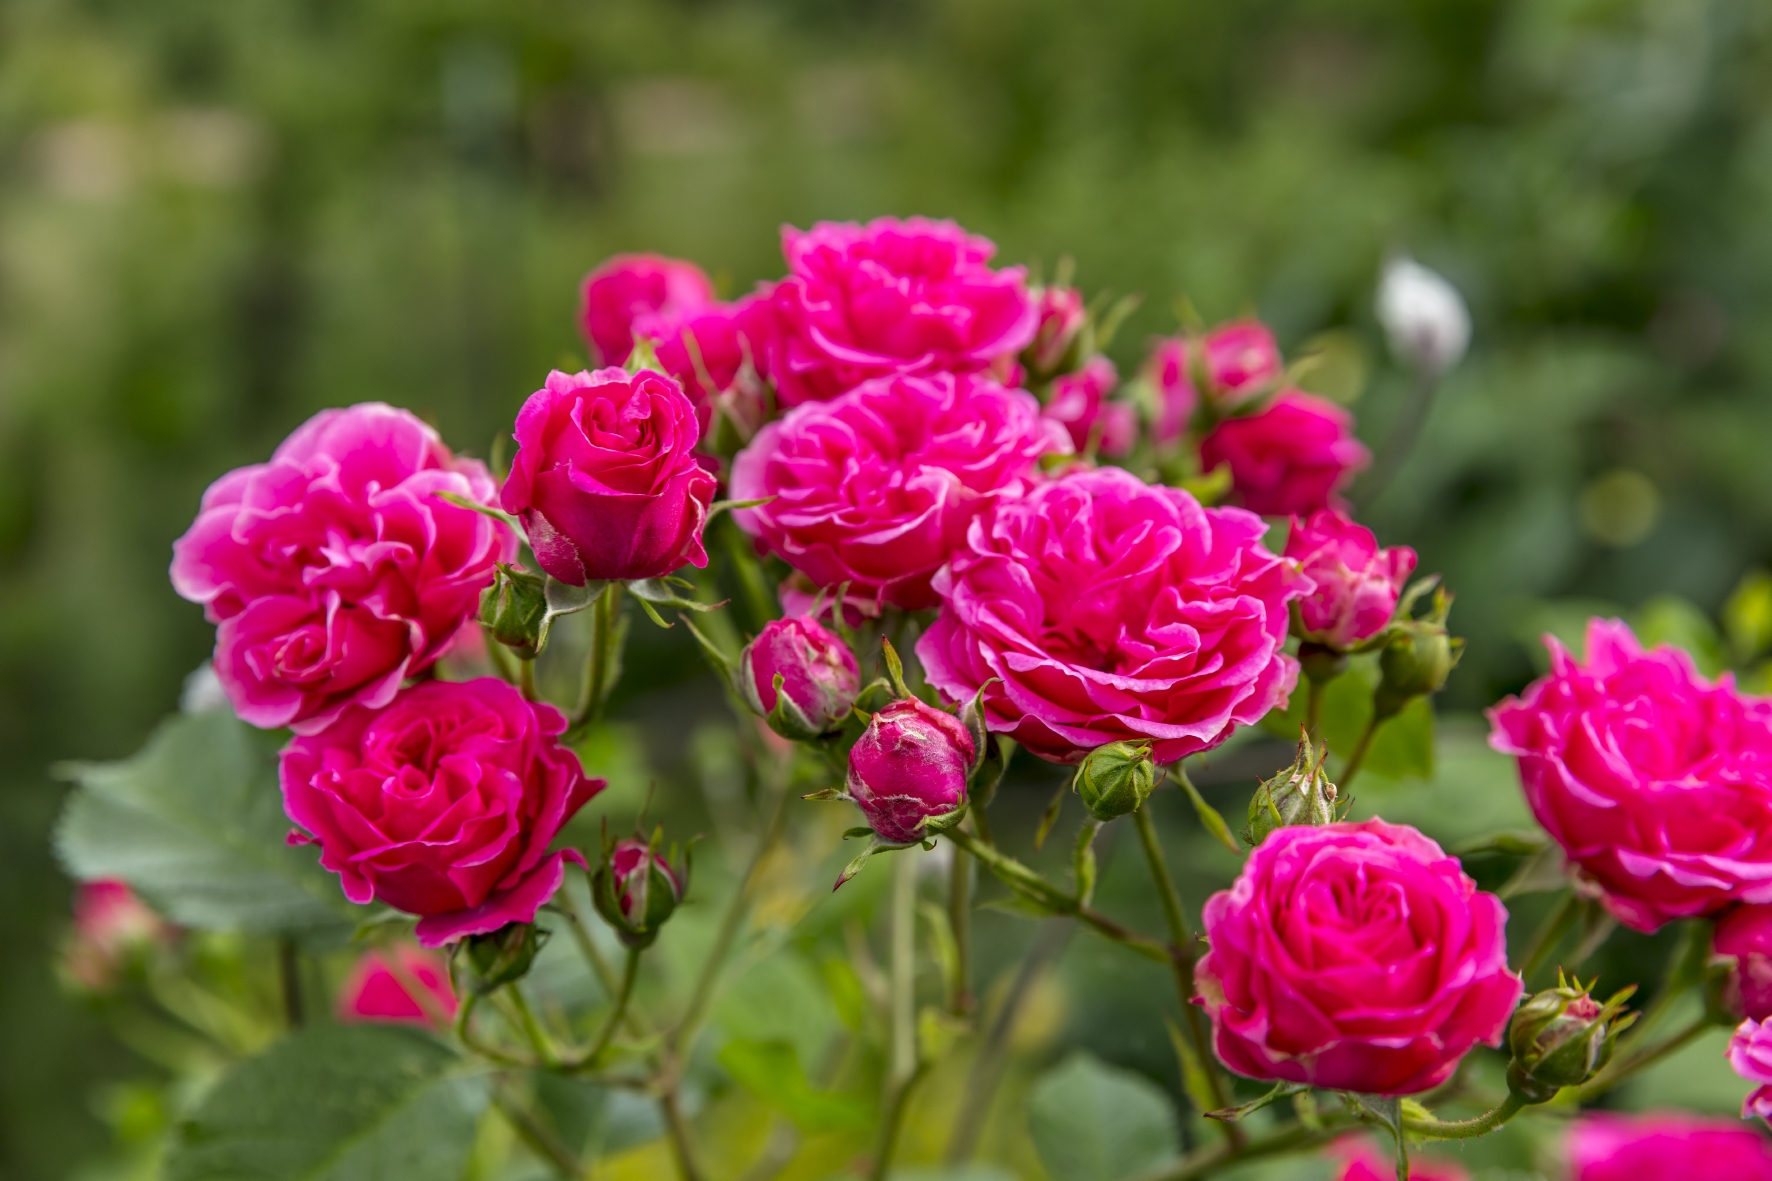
{"x":195,"y":822}
{"x":1095,"y":1122}
{"x":335,"y":1103}
{"x":565,"y":599}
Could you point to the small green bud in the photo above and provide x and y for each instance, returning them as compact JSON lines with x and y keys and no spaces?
{"x":1417,"y":659}
{"x":1115,"y":779}
{"x":1562,"y":1037}
{"x":512,"y":609}
{"x":504,"y":955}
{"x":636,"y":890}
{"x":1299,"y":794}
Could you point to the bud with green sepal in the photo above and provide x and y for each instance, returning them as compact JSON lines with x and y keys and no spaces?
{"x":1300,"y":794}
{"x":513,"y":608}
{"x":502,"y":957}
{"x":1115,"y":780}
{"x":800,"y":677}
{"x":636,"y":889}
{"x":1417,"y":657}
{"x":1562,"y":1037}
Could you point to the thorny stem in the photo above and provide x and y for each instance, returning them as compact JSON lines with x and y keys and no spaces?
{"x":1359,"y":753}
{"x":616,"y":1013}
{"x":543,"y":1141}
{"x":1466,"y":1129}
{"x":960,"y":920}
{"x":1181,"y":961}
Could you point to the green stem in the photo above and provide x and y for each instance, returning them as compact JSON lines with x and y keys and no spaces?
{"x":1401,"y":440}
{"x":682,"y":1143}
{"x":538,"y":1038}
{"x":544,"y":1143}
{"x":499,"y":655}
{"x":1466,"y":1129}
{"x":1620,"y":1071}
{"x":896,"y":1105}
{"x":1181,"y":960}
{"x":616,"y":1013}
{"x":593,"y":691}
{"x":1083,"y":860}
{"x":1313,"y":709}
{"x":1359,"y":755}
{"x":1206,"y":1161}
{"x":905,"y":1067}
{"x":526,"y":678}
{"x":960,"y":921}
{"x":587,"y":948}
{"x":464,"y":1033}
{"x":1550,"y":935}
{"x":289,"y":975}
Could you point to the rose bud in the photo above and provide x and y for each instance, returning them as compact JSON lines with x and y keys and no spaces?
{"x":799,"y":676}
{"x":512,"y":608}
{"x":606,"y":478}
{"x":1299,"y":794}
{"x":1750,"y":1053}
{"x":1605,"y":1146}
{"x":1293,"y":456}
{"x":1242,"y":359}
{"x":505,"y":955}
{"x":636,"y":890}
{"x":376,"y":991}
{"x":908,"y":769}
{"x":1115,"y":780}
{"x":1079,"y":403}
{"x":1417,"y":659}
{"x":636,"y":287}
{"x":113,"y":927}
{"x":1423,"y":316}
{"x":1062,"y":315}
{"x":1744,"y":936}
{"x":1561,"y":1038}
{"x":1357,"y":583}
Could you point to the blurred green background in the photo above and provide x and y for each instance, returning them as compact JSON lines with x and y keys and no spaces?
{"x":216,"y":218}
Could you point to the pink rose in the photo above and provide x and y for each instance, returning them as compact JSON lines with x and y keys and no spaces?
{"x":1744,"y":934}
{"x":442,"y":805}
{"x":636,"y":287}
{"x":1357,"y":583}
{"x":1240,"y":359}
{"x":1293,"y":457}
{"x":819,"y":679}
{"x":375,"y":992}
{"x":909,"y":765}
{"x":1750,"y":1053}
{"x":1356,"y":957}
{"x":1665,"y":1145}
{"x":719,"y":353}
{"x":890,"y":297}
{"x":1079,"y":404}
{"x":606,"y":477}
{"x":876,"y":487}
{"x":336,"y":570}
{"x":1361,"y":1160}
{"x":1109,"y":609}
{"x":112,"y":925}
{"x":1656,"y":782}
{"x":1062,"y":314}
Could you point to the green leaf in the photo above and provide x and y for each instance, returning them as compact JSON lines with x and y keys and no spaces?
{"x":194,"y":821}
{"x":771,"y":1071}
{"x":1747,"y":616}
{"x":658,"y":591}
{"x":1404,"y":745}
{"x":1209,"y":817}
{"x":335,"y":1103}
{"x":1231,"y":1115}
{"x":497,"y":514}
{"x":1095,"y":1122}
{"x":1669,"y":619}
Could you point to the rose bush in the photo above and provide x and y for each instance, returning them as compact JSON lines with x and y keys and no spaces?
{"x":337,"y":570}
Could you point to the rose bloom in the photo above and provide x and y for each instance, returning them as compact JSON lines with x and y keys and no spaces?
{"x":374,"y":992}
{"x":1062,"y":314}
{"x":606,"y":479}
{"x":1079,"y":404}
{"x":914,"y":296}
{"x":1109,"y":609}
{"x":719,"y":353}
{"x":909,"y":765}
{"x":1295,"y":456}
{"x":1240,"y":359}
{"x":336,"y":570}
{"x":1356,"y":957}
{"x":1750,"y":1053}
{"x":1656,"y":782}
{"x":442,"y":805}
{"x":876,"y":487}
{"x":1357,"y":583}
{"x":636,"y":287}
{"x":1744,"y":935}
{"x":1362,"y":1160}
{"x":1665,"y":1144}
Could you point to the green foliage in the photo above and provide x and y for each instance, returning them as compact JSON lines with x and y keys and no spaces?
{"x":1404,"y":746}
{"x":195,"y":823}
{"x":772,"y":1072}
{"x":335,"y":1103}
{"x":1095,"y":1122}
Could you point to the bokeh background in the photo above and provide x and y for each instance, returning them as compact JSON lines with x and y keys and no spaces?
{"x":218,"y":217}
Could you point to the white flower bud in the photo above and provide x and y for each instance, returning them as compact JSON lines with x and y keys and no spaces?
{"x":1423,"y":316}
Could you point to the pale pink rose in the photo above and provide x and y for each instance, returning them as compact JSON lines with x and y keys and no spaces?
{"x":1240,"y":360}
{"x":909,"y":765}
{"x":443,"y":804}
{"x":1294,"y":456}
{"x":1079,"y":403}
{"x":1750,"y":1053}
{"x":111,"y":925}
{"x":635,"y":287}
{"x":606,"y":478}
{"x":1355,"y":957}
{"x":1109,"y":609}
{"x":1656,"y":782}
{"x":375,"y":992}
{"x":1744,"y":935}
{"x":1665,"y":1146}
{"x":875,"y":488}
{"x":913,"y":296}
{"x":1357,"y":583}
{"x":337,"y":570}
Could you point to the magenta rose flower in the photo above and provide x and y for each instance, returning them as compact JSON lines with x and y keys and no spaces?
{"x":1356,"y":957}
{"x":1604,"y":1146}
{"x":442,"y":804}
{"x":1240,"y":359}
{"x":1656,"y":782}
{"x":819,"y":678}
{"x":631,"y":290}
{"x":1744,"y":935}
{"x":719,"y":353}
{"x":1357,"y":583}
{"x":336,"y":570}
{"x":1362,"y":1160}
{"x":374,"y":991}
{"x":606,"y":478}
{"x":1061,"y":313}
{"x":875,"y":488}
{"x":1295,"y":456}
{"x":1079,"y":404}
{"x":1108,"y":609}
{"x":1750,"y":1053}
{"x":914,"y":296}
{"x":910,"y":765}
